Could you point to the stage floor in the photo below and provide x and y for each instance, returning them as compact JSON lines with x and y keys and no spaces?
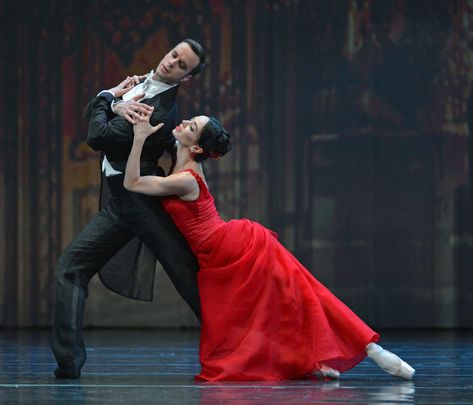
{"x":157,"y":367}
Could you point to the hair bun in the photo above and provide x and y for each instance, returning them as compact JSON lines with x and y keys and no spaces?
{"x":223,"y":143}
{"x":214,"y":140}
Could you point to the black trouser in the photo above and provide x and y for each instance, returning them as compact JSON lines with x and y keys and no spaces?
{"x":126,"y":215}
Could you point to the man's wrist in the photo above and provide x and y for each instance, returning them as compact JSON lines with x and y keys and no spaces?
{"x":114,"y":104}
{"x":106,"y":91}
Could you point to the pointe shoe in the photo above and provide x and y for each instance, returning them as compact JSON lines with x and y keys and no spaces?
{"x":389,"y":362}
{"x":328,"y":372}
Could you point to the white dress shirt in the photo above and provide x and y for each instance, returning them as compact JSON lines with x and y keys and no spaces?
{"x":150,"y":87}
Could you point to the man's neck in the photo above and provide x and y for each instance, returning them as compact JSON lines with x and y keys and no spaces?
{"x":158,"y":79}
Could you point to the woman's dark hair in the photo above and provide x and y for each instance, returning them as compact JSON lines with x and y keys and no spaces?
{"x":199,"y":51}
{"x":214,"y":141}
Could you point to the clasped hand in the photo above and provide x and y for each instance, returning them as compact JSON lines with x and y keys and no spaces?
{"x":131,"y":109}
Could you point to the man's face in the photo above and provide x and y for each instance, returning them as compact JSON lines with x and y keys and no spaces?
{"x":176,"y":64}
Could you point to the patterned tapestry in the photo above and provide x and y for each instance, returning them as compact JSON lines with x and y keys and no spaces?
{"x":350,"y":122}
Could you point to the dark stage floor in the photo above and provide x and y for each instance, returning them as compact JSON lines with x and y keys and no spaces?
{"x":136,"y":367}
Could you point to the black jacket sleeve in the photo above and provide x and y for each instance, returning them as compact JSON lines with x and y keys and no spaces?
{"x":106,"y":129}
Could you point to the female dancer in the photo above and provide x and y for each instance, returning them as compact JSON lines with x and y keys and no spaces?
{"x":264,"y":316}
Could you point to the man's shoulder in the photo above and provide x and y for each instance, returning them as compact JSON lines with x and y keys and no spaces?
{"x":94,"y":105}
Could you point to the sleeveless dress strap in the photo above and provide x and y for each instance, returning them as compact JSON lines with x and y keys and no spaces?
{"x":200,"y":182}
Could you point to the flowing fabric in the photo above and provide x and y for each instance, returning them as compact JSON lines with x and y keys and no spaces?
{"x":264,"y":316}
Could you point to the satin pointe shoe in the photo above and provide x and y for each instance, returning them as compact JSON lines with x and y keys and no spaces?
{"x":389,"y":362}
{"x":328,"y":372}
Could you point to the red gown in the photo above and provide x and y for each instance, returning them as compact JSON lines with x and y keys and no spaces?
{"x":264,"y":316}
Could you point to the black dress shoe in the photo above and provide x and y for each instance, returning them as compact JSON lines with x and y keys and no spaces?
{"x":61,"y":372}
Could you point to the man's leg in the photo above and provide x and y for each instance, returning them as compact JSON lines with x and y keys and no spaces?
{"x":83,"y":258}
{"x":147,"y":219}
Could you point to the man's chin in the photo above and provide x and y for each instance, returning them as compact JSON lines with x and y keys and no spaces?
{"x":157,"y":76}
{"x":164,"y":79}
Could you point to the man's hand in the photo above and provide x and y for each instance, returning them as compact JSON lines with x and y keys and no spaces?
{"x":139,"y":79}
{"x":125,"y":86}
{"x":131,"y":109}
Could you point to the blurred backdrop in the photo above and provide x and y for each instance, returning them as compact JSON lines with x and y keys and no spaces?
{"x":350,"y":120}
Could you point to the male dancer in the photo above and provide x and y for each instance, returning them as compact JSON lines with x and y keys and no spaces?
{"x":127,"y":215}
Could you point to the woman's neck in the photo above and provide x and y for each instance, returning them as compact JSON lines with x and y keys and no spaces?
{"x":185,"y":161}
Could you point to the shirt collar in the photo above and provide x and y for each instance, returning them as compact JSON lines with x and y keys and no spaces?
{"x":156,"y":83}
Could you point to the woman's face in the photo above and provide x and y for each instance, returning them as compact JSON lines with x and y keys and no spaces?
{"x":188,"y":132}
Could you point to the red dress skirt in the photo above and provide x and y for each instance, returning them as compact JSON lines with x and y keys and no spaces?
{"x":264,"y":316}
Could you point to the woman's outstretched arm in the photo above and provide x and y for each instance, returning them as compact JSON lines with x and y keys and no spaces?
{"x":176,"y":184}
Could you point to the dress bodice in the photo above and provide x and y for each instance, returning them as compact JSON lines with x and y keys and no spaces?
{"x":197,"y":220}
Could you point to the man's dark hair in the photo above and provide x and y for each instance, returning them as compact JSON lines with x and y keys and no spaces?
{"x":199,"y":51}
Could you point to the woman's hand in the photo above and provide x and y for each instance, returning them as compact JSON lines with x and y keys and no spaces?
{"x":142,"y":129}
